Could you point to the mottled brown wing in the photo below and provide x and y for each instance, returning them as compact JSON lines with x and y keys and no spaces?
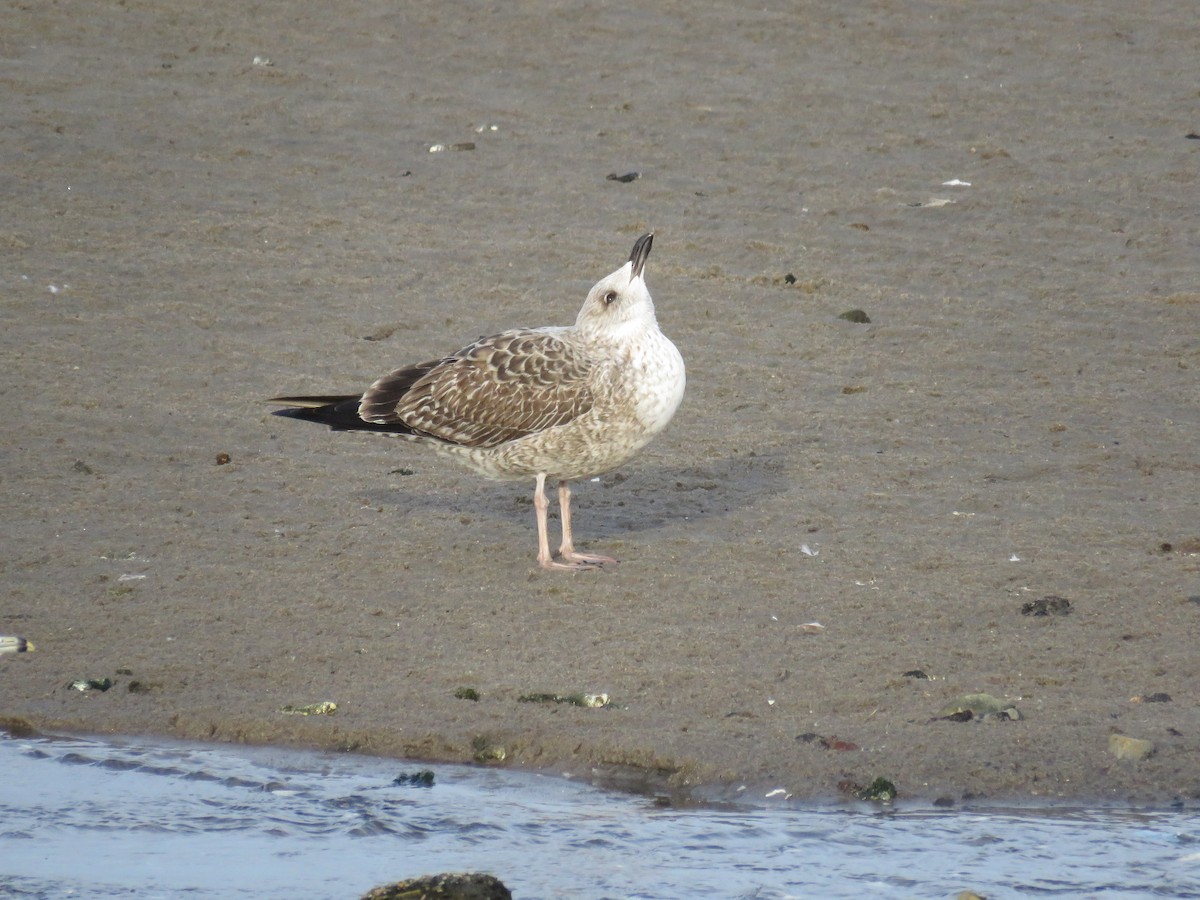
{"x":500,"y":388}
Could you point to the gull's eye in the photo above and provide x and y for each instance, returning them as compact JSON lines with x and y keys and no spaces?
{"x":610,"y":298}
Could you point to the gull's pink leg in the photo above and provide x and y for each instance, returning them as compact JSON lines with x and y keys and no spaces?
{"x":567,"y":550}
{"x":540,"y":504}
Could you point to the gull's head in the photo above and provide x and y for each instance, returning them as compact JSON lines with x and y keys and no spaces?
{"x":620,"y":304}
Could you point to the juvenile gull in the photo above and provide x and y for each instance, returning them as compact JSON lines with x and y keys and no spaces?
{"x":556,"y":402}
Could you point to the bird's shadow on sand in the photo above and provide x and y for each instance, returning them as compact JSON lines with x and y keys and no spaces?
{"x":642,"y":499}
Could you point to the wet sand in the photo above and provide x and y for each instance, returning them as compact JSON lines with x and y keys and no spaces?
{"x":187,"y":231}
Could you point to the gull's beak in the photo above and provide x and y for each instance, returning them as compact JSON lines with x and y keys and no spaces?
{"x":641,"y":250}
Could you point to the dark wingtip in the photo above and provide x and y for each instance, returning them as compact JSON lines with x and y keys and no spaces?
{"x":641,"y":249}
{"x":339,"y":413}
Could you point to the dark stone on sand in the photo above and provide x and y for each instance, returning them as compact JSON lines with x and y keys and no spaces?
{"x":978,"y":706}
{"x":963,"y":715}
{"x":857,"y":316}
{"x":1047,"y":606}
{"x":451,"y":886}
{"x":916,"y":673}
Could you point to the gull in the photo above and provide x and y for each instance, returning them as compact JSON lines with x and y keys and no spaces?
{"x":558,"y":402}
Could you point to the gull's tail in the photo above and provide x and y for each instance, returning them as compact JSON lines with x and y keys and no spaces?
{"x":339,"y":412}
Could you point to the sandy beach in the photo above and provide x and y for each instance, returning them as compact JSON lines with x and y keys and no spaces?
{"x":207,"y":205}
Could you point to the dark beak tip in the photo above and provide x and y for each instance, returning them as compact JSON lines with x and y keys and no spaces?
{"x":641,"y":249}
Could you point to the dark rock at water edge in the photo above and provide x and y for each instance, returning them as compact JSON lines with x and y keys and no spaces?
{"x":451,"y":886}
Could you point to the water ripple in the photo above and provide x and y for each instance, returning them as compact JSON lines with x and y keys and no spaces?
{"x":142,"y":819}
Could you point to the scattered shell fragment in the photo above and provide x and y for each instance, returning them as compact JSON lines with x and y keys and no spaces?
{"x":812,"y":628}
{"x":91,"y":684}
{"x":587,"y":701}
{"x":324,"y":708}
{"x":461,"y":145}
{"x":262,"y":61}
{"x":1124,"y":747}
{"x":11,"y":643}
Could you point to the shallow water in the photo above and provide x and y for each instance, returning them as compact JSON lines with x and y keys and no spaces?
{"x":88,"y":818}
